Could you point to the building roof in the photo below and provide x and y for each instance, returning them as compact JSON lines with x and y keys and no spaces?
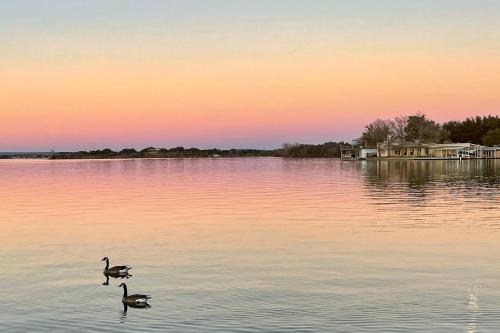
{"x":451,"y":145}
{"x":431,"y":145}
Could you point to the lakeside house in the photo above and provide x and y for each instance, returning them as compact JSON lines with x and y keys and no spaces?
{"x":349,"y":152}
{"x":429,"y":150}
{"x":422,"y":150}
{"x":491,"y":152}
{"x":365,"y":153}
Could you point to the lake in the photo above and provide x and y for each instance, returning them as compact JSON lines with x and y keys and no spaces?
{"x":251,"y":245}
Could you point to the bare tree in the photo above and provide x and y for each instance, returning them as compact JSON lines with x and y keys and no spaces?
{"x":398,"y":129}
{"x":376,"y":131}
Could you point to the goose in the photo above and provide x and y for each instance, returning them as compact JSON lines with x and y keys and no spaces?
{"x":115,"y":271}
{"x":135,"y":299}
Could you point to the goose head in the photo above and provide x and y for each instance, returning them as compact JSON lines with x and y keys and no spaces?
{"x":104,"y":259}
{"x":122,"y":285}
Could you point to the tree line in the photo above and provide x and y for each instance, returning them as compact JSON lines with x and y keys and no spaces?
{"x":418,"y":128}
{"x":328,"y":149}
{"x":152,"y":152}
{"x":413,"y":128}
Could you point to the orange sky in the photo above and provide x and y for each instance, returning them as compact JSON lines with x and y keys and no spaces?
{"x":253,"y":78}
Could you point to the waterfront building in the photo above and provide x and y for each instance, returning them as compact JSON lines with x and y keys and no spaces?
{"x":491,"y":152}
{"x":429,"y":150}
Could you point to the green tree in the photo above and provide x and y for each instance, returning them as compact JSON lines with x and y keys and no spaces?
{"x":421,"y":129}
{"x":296,"y":150}
{"x":471,"y":129}
{"x":491,"y":138}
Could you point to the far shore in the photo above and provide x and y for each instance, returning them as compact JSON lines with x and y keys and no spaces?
{"x":74,"y":156}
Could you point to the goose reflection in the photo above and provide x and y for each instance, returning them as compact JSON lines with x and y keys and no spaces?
{"x":136,"y":306}
{"x":115,"y":276}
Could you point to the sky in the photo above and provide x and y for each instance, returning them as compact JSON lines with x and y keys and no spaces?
{"x":237,"y":73}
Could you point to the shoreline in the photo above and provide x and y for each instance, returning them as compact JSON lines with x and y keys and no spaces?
{"x":245,"y":157}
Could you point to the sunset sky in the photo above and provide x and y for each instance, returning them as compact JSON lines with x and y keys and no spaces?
{"x":257,"y":73}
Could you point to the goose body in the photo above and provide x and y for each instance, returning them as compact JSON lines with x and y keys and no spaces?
{"x":115,"y":270}
{"x":134,"y":299}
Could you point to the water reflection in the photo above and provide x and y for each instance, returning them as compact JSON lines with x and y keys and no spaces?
{"x":417,"y":175}
{"x":115,"y":276}
{"x":123,"y":316}
{"x":474,"y":309}
{"x":135,"y":306}
{"x":252,"y":245}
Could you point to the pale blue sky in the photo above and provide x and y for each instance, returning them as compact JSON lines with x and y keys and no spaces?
{"x":342,"y":63}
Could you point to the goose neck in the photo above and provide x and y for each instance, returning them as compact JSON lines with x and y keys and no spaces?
{"x":124,"y":290}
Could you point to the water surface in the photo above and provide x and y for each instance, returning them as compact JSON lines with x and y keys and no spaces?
{"x":251,"y":245}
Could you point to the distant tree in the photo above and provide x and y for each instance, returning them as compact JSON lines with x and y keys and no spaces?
{"x":445,"y":135}
{"x":398,"y":128}
{"x":194,"y":152}
{"x":290,"y":149}
{"x":377,"y":131}
{"x":295,"y":150}
{"x":149,"y":150}
{"x":107,"y":153}
{"x":177,"y":152}
{"x":421,"y":129}
{"x":471,"y":129}
{"x":177,"y":149}
{"x":213,"y":151}
{"x":491,"y":138}
{"x":128,"y":151}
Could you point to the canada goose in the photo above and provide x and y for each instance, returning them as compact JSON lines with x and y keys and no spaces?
{"x":135,"y":299}
{"x":115,"y":271}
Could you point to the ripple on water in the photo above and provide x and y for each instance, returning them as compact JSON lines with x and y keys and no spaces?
{"x":251,"y":245}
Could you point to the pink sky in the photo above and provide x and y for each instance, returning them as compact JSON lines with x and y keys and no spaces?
{"x":68,"y":85}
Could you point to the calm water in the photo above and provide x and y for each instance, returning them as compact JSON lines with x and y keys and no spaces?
{"x":251,"y":245}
